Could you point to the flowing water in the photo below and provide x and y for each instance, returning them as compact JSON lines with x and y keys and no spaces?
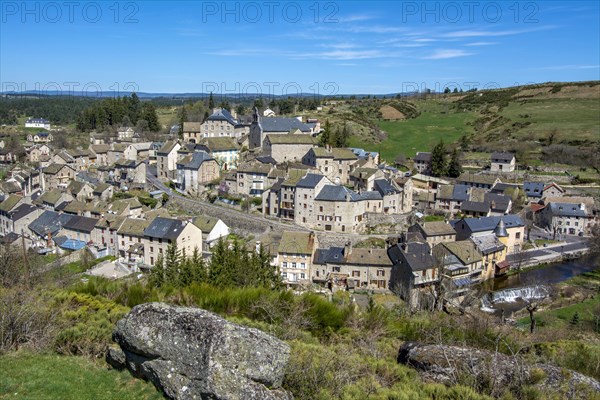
{"x":511,"y":293}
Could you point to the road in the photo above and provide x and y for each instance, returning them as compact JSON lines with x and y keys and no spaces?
{"x":577,"y":244}
{"x":232,"y":217}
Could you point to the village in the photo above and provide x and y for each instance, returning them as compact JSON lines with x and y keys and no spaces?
{"x":331,"y":218}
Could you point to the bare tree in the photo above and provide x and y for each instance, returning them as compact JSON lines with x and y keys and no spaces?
{"x":532,"y":308}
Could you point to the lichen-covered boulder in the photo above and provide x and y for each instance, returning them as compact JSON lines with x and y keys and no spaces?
{"x":190,"y":353}
{"x":494,"y":371}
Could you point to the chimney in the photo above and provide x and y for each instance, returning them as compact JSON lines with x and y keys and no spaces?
{"x":257,"y":246}
{"x":582,"y":206}
{"x":347,"y":249}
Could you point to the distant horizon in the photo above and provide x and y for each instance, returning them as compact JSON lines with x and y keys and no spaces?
{"x":188,"y":94}
{"x":279,"y":48}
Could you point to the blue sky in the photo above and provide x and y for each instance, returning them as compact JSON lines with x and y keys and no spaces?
{"x":280,"y":46}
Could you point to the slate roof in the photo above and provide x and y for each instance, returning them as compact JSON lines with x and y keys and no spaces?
{"x":9,"y":238}
{"x":384,"y":187}
{"x":330,"y":255}
{"x":454,"y":192}
{"x":533,"y":189}
{"x":49,"y":222}
{"x":194,"y":160}
{"x":282,"y":124}
{"x":369,"y":195}
{"x":416,"y":254}
{"x":293,"y":177}
{"x":489,"y":223}
{"x":222,"y":115}
{"x":22,"y":211}
{"x":10,"y":187}
{"x":167,"y":147}
{"x":75,"y":187}
{"x":501,"y":187}
{"x":81,"y":224}
{"x":363,"y":173}
{"x":310,"y":181}
{"x":266,"y":160}
{"x":101,"y":188}
{"x":487,"y":244}
{"x":51,"y":197}
{"x":475,"y":206}
{"x":100,"y":148}
{"x":164,"y":228}
{"x":502,"y":157}
{"x":498,"y":202}
{"x":261,"y":169}
{"x":566,"y":210}
{"x":336,"y":193}
{"x":423,"y":156}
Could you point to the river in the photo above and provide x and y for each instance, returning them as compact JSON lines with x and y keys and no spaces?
{"x":506,"y":292}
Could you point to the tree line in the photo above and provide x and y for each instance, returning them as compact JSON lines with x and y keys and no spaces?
{"x":119,"y":111}
{"x":59,"y":110}
{"x":441,"y":166}
{"x":229,"y":266}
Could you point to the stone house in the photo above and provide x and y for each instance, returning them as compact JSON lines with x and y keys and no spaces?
{"x":125,"y":133}
{"x":536,"y":191}
{"x":450,"y":198}
{"x":137,"y":151}
{"x":63,"y":157}
{"x":478,"y":181}
{"x":294,"y":257}
{"x":166,"y":160}
{"x":493,"y":253}
{"x":47,"y":226}
{"x":221,"y":123}
{"x":566,"y":218}
{"x":252,"y":178}
{"x":515,"y":229}
{"x":101,"y":152}
{"x":51,"y":199}
{"x":40,"y":137}
{"x":81,"y":157}
{"x":130,"y":239}
{"x":502,"y":162}
{"x":196,"y":170}
{"x":261,"y":127}
{"x":36,"y":151}
{"x":80,"y":191}
{"x":461,"y":265}
{"x":414,"y":273}
{"x":80,"y":228}
{"x":423,"y":163}
{"x":103,"y":192}
{"x":163,"y":231}
{"x":105,"y":232}
{"x":130,"y":172}
{"x":364,"y":178}
{"x":434,"y":232}
{"x":306,"y":189}
{"x":335,"y":163}
{"x":57,"y":176}
{"x":279,"y":199}
{"x":342,"y":268}
{"x":18,"y":218}
{"x":42,"y":123}
{"x":224,"y":150}
{"x":288,"y":148}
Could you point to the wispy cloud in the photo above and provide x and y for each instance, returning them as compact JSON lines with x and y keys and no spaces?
{"x":443,"y":54}
{"x":480,"y":43}
{"x":346,"y":54}
{"x":567,"y":67}
{"x":347,"y":64}
{"x":483,"y":33}
{"x":356,"y":18}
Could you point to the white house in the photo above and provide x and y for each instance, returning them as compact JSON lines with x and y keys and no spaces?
{"x":212,"y":229}
{"x":503,"y":162}
{"x":37,"y":123}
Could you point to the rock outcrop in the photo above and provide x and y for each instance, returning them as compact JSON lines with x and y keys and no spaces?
{"x":190,"y":353}
{"x":494,"y":371}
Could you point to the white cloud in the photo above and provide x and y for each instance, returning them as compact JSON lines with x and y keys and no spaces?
{"x":567,"y":67}
{"x":447,"y":53}
{"x":481,"y":43}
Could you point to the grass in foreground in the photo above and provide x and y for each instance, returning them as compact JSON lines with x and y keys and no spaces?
{"x":28,"y":376}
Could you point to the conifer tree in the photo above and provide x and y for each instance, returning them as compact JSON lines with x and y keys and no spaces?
{"x":454,"y":167}
{"x":438,"y":160}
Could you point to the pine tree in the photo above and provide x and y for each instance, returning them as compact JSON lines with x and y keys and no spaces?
{"x":454,"y":167}
{"x":157,"y":273}
{"x":438,"y":160}
{"x":199,"y":272}
{"x":211,"y":102}
{"x":182,"y":118}
{"x":172,"y":264}
{"x":149,"y":115}
{"x":575,"y":320}
{"x":324,"y":140}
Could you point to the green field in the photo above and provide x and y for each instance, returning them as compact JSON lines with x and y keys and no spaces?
{"x":571,"y":118}
{"x":419,"y":134}
{"x":26,"y":376}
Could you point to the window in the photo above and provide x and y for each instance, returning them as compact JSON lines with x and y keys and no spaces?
{"x":518,"y":235}
{"x":293,"y":265}
{"x":380,"y":272}
{"x":302,"y":276}
{"x":151,"y":249}
{"x":302,"y":265}
{"x":284,"y":265}
{"x":160,"y":250}
{"x":355,"y":273}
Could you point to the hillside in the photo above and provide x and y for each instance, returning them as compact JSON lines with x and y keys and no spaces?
{"x":557,"y":124}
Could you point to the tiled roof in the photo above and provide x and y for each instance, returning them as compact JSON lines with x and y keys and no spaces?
{"x":49,"y":222}
{"x":293,"y":242}
{"x":422,"y":156}
{"x":133,"y":226}
{"x":221,"y":144}
{"x":282,"y":124}
{"x":194,"y":160}
{"x":416,"y":254}
{"x":435,"y":228}
{"x":479,"y":179}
